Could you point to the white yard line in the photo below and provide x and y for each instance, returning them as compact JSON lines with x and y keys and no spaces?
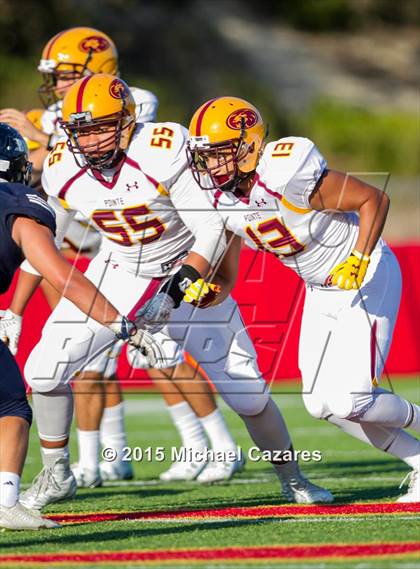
{"x":257,"y":479}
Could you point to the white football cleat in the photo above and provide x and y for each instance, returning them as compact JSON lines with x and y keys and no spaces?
{"x":413,"y":493}
{"x":85,"y":477}
{"x":53,"y":484}
{"x":183,"y":471}
{"x":217,"y":471}
{"x":121,"y":470}
{"x":298,"y":489}
{"x":19,"y":518}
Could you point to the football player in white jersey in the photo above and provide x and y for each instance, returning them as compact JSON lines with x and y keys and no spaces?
{"x":325,"y":225}
{"x":68,"y":56}
{"x":133,"y":182}
{"x":112,"y":99}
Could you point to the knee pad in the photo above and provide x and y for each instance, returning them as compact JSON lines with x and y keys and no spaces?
{"x":34,"y":377}
{"x":247,"y":404}
{"x":16,"y":407}
{"x":315,"y":405}
{"x":42,"y":385}
{"x":349,"y":405}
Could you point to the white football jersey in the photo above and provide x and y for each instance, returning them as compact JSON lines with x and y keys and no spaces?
{"x":78,"y":237}
{"x":149,"y":210}
{"x":146,"y":110}
{"x":277,"y":217}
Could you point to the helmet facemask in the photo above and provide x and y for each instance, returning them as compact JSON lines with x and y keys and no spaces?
{"x":224,"y":172}
{"x":98,"y":155}
{"x":53,"y":72}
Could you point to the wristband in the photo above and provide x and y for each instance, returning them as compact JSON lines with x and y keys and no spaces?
{"x":123,"y":328}
{"x":360,"y":256}
{"x":176,"y":286}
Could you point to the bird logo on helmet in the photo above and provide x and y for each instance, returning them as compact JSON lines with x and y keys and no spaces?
{"x":242,"y":118}
{"x":226,"y":141}
{"x":72,"y":54}
{"x":99,"y":115}
{"x":96,"y":44}
{"x":118,"y":89}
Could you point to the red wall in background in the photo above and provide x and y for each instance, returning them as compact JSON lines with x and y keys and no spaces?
{"x":271,"y":298}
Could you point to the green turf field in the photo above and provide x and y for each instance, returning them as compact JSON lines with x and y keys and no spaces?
{"x":353,"y":471}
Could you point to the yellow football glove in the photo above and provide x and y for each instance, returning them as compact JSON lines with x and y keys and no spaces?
{"x":200,"y":293}
{"x":350,"y":274}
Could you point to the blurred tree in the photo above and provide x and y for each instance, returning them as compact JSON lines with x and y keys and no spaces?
{"x":25,"y":25}
{"x":339,"y":15}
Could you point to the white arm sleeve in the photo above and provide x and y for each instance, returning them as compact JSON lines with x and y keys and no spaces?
{"x":63,"y":218}
{"x":198,"y":215}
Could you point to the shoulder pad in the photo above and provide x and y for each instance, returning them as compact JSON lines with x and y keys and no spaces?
{"x":146,"y":105}
{"x":143,"y":96}
{"x":59,"y":166}
{"x":160,"y":150}
{"x":291,"y":167}
{"x":283,"y":156}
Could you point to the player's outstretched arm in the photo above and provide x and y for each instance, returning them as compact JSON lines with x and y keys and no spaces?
{"x":341,"y":192}
{"x":26,"y":286}
{"x":37,"y":244}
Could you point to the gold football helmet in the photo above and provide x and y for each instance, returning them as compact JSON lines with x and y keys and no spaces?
{"x":226,"y":139}
{"x":101,"y":106}
{"x":72,"y":54}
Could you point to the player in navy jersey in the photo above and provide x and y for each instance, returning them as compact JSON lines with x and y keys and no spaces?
{"x":27,"y":227}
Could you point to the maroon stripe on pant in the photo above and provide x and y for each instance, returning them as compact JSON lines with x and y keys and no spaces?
{"x":373,"y":351}
{"x":147,"y":295}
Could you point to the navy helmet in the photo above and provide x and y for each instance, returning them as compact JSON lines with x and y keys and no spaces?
{"x":14,"y":163}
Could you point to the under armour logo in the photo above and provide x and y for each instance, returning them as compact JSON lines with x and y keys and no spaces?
{"x":261,"y":202}
{"x":130,"y":187}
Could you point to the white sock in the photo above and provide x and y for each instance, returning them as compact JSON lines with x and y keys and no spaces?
{"x":407,"y":448}
{"x":50,"y":455}
{"x":217,"y":431}
{"x":88,"y":449}
{"x":9,"y":489}
{"x":188,"y":426}
{"x":112,"y":430}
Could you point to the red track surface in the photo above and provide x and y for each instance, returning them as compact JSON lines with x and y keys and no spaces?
{"x":245,"y":512}
{"x":275,"y":552}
